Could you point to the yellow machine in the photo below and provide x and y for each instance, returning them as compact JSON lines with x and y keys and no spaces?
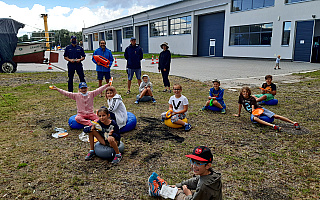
{"x":46,"y":33}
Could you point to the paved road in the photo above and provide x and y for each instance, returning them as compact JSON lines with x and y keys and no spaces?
{"x":232,"y":72}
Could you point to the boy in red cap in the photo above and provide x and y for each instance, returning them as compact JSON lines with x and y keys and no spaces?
{"x":207,"y":183}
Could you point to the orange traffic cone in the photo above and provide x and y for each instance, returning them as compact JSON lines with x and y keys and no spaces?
{"x":115,"y":63}
{"x":49,"y":67}
{"x":157,"y":60}
{"x":152,"y":60}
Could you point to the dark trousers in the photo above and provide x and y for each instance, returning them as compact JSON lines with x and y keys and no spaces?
{"x":165,"y":75}
{"x":72,"y":68}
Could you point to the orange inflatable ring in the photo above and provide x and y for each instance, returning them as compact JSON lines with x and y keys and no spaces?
{"x":169,"y":113}
{"x":102,"y":61}
{"x":170,"y":124}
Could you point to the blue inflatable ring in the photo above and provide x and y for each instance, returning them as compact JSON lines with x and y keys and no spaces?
{"x":264,"y":118}
{"x":144,"y":98}
{"x":131,"y":123}
{"x":270,"y":102}
{"x":106,"y":152}
{"x":74,"y":124}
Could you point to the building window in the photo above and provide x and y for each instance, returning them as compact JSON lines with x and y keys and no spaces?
{"x":101,"y":34}
{"x":181,"y":25}
{"x":95,"y":37}
{"x":158,"y":28}
{"x":286,"y":33}
{"x":85,"y":38}
{"x":128,"y":32}
{"x":240,"y":5}
{"x":251,"y":35}
{"x":294,"y":1}
{"x":109,"y":35}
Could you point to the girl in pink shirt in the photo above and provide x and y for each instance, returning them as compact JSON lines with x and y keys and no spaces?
{"x":84,"y":101}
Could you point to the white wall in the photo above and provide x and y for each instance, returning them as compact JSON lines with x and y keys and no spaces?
{"x":109,"y":44}
{"x":85,"y":45}
{"x":290,"y":12}
{"x":95,"y":45}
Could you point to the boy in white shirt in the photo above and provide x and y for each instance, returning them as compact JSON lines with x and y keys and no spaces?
{"x":179,"y":106}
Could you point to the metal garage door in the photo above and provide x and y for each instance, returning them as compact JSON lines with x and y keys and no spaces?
{"x":143,"y":38}
{"x":210,"y":35}
{"x":304,"y":35}
{"x":119,"y":40}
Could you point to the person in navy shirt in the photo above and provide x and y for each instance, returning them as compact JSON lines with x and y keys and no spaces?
{"x":74,"y":54}
{"x":133,"y":54}
{"x":101,"y":70}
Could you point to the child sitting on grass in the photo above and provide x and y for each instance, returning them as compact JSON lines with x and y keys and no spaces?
{"x":117,"y":109}
{"x":179,"y":106}
{"x":268,"y":92}
{"x":145,"y":89}
{"x":216,"y":96}
{"x":250,"y":104}
{"x":84,"y":100}
{"x":107,"y":134}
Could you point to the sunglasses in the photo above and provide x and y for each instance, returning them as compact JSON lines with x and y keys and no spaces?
{"x":176,"y":89}
{"x":196,"y":163}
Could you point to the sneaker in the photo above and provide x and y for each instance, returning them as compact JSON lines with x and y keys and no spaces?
{"x":128,"y":92}
{"x":164,"y":90}
{"x":187,"y":127}
{"x":279,"y":68}
{"x":203,"y":108}
{"x":90,"y":155}
{"x":161,"y":182}
{"x":154,"y":188}
{"x":117,"y":159}
{"x":223,"y":111}
{"x":169,"y":91}
{"x":153,"y":100}
{"x":275,"y":68}
{"x":277,"y":128}
{"x":296,"y":126}
{"x":136,"y":102}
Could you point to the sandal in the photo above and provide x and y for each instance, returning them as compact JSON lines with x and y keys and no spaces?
{"x":128,"y":92}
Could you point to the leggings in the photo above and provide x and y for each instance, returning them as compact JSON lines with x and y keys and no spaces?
{"x":165,"y":75}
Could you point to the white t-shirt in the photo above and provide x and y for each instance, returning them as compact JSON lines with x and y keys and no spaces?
{"x":178,"y":103}
{"x":278,"y":60}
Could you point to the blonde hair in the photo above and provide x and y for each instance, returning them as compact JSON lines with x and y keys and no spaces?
{"x":177,"y":84}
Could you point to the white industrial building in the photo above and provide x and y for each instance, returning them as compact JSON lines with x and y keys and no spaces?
{"x":220,"y":28}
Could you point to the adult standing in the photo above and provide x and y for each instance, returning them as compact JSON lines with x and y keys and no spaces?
{"x":133,"y":54}
{"x":101,"y":70}
{"x":74,"y":54}
{"x":164,"y":65}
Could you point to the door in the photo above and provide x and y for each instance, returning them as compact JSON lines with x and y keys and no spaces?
{"x":212,"y":47}
{"x":143,"y":38}
{"x":119,"y":40}
{"x":303,"y":42}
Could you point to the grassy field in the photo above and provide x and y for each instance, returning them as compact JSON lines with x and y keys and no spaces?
{"x":255,"y":161}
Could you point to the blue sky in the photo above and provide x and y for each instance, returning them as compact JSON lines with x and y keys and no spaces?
{"x":72,"y":14}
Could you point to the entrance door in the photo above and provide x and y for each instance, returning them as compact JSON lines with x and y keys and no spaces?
{"x":119,"y":40}
{"x":143,"y":38}
{"x":303,"y":43}
{"x":212,"y":47}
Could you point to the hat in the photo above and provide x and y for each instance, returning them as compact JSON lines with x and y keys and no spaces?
{"x":201,"y":153}
{"x":82,"y":85}
{"x":133,"y":38}
{"x":164,"y":43}
{"x":73,"y":37}
{"x":215,"y":80}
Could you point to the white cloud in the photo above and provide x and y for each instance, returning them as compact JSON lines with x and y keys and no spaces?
{"x":72,"y":19}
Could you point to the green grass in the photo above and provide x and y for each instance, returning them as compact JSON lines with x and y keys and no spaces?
{"x":255,"y":161}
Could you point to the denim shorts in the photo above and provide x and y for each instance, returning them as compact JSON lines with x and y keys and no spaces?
{"x":132,"y":71}
{"x":103,"y":74}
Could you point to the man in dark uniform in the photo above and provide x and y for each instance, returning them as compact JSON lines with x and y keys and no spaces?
{"x":74,"y":54}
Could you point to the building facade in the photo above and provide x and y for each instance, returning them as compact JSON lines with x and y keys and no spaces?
{"x":219,"y":28}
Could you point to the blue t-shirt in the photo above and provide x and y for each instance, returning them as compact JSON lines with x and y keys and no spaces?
{"x":106,"y":54}
{"x":217,"y":93}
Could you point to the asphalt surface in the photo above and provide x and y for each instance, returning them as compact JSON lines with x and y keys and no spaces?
{"x":233,"y":73}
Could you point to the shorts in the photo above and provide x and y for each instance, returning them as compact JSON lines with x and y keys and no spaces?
{"x":132,"y":71}
{"x":266,"y":112}
{"x":103,"y":74}
{"x":269,"y":96}
{"x":277,"y":64}
{"x":175,"y":117}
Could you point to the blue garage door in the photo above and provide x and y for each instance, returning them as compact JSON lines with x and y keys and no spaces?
{"x":211,"y":28}
{"x":304,"y":34}
{"x":119,"y":40}
{"x":143,"y":38}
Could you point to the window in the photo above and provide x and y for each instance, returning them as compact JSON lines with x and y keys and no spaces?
{"x":108,"y":35}
{"x":159,"y":28}
{"x":286,"y":33}
{"x":85,"y":38}
{"x":95,"y":37}
{"x":128,"y":32}
{"x":240,"y":5}
{"x":181,"y":25}
{"x":101,"y":34}
{"x":255,"y":34}
{"x":294,"y":1}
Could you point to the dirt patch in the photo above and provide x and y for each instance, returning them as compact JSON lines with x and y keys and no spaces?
{"x":267,"y":194}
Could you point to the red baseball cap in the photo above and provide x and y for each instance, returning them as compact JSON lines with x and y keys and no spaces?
{"x":201,"y":153}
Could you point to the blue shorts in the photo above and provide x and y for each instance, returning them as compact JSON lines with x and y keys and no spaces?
{"x":103,"y":74}
{"x":132,"y":71}
{"x":266,"y":112}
